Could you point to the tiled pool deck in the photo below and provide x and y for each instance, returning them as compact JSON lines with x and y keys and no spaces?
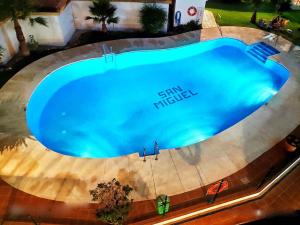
{"x":26,"y":165}
{"x":16,"y":205}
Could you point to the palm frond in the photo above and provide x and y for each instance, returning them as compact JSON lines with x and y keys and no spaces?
{"x":111,"y":11}
{"x":17,"y":9}
{"x":113,"y":20}
{"x":103,"y":10}
{"x":94,"y":18}
{"x":88,"y":18}
{"x":38,"y":20}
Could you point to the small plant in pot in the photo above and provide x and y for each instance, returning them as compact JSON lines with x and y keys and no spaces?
{"x":292,"y":142}
{"x":113,"y":200}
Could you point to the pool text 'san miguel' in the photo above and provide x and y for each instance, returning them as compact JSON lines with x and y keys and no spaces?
{"x":173,"y":95}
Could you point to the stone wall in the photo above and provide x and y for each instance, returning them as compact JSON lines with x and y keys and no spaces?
{"x":62,"y":24}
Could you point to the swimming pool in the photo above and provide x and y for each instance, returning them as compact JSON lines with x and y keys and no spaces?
{"x":118,"y":105}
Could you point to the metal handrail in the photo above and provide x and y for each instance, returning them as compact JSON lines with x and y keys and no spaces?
{"x":233,"y":202}
{"x":107,"y":51}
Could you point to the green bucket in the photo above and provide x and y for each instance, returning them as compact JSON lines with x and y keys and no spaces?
{"x":163,"y":204}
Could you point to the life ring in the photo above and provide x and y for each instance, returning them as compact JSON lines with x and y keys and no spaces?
{"x":192,"y":11}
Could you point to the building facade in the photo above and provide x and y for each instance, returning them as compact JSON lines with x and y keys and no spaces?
{"x":70,"y":16}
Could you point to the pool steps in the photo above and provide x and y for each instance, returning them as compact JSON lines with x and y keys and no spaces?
{"x":108,"y":54}
{"x":261,"y":51}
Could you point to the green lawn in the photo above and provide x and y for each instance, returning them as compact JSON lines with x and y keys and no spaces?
{"x":239,"y":15}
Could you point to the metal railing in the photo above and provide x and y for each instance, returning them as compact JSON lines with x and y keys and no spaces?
{"x":108,"y":53}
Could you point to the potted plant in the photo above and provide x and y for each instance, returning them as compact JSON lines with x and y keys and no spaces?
{"x":162,"y":204}
{"x":113,"y":202}
{"x":292,"y":142}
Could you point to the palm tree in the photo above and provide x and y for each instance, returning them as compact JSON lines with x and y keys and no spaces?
{"x":103,"y":12}
{"x":20,"y":10}
{"x":256,"y":4}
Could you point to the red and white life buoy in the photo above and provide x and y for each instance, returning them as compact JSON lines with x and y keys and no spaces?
{"x":192,"y":11}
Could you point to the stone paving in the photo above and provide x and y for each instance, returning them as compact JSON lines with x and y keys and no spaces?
{"x":208,"y":20}
{"x":28,"y":166}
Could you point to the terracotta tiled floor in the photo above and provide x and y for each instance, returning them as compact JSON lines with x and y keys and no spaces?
{"x":285,"y":197}
{"x":17,"y":205}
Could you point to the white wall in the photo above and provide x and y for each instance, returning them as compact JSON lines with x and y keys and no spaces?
{"x":67,"y":24}
{"x":6,"y":56}
{"x":59,"y":30}
{"x":61,"y":26}
{"x":128,"y":13}
{"x":8,"y":40}
{"x":51,"y":34}
{"x":184,"y":5}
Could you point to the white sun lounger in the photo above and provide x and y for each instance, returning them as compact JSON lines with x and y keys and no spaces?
{"x":270,"y":37}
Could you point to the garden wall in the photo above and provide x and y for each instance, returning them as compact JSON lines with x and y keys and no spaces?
{"x":8,"y":40}
{"x":128,"y":13}
{"x":58,"y":32}
{"x":183,"y":6}
{"x":62,"y":25}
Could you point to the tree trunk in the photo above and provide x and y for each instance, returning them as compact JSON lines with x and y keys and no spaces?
{"x":20,"y":36}
{"x":253,"y":17}
{"x":104,"y":27}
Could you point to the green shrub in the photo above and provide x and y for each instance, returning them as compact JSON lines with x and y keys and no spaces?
{"x":231,"y":1}
{"x":285,"y":5}
{"x":152,"y":18}
{"x":193,"y":25}
{"x":282,"y":5}
{"x":190,"y":26}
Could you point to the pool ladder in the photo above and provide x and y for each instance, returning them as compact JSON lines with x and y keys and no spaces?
{"x":108,"y":54}
{"x":155,"y":152}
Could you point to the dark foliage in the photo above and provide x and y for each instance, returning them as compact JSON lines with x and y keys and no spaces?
{"x":190,"y":26}
{"x":103,"y":12}
{"x":152,"y":18}
{"x":281,"y":5}
{"x":231,"y":1}
{"x":114,"y":202}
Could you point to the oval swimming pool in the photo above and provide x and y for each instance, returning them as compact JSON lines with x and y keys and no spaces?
{"x":118,"y":105}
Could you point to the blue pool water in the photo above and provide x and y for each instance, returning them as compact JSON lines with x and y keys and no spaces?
{"x":177,"y":97}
